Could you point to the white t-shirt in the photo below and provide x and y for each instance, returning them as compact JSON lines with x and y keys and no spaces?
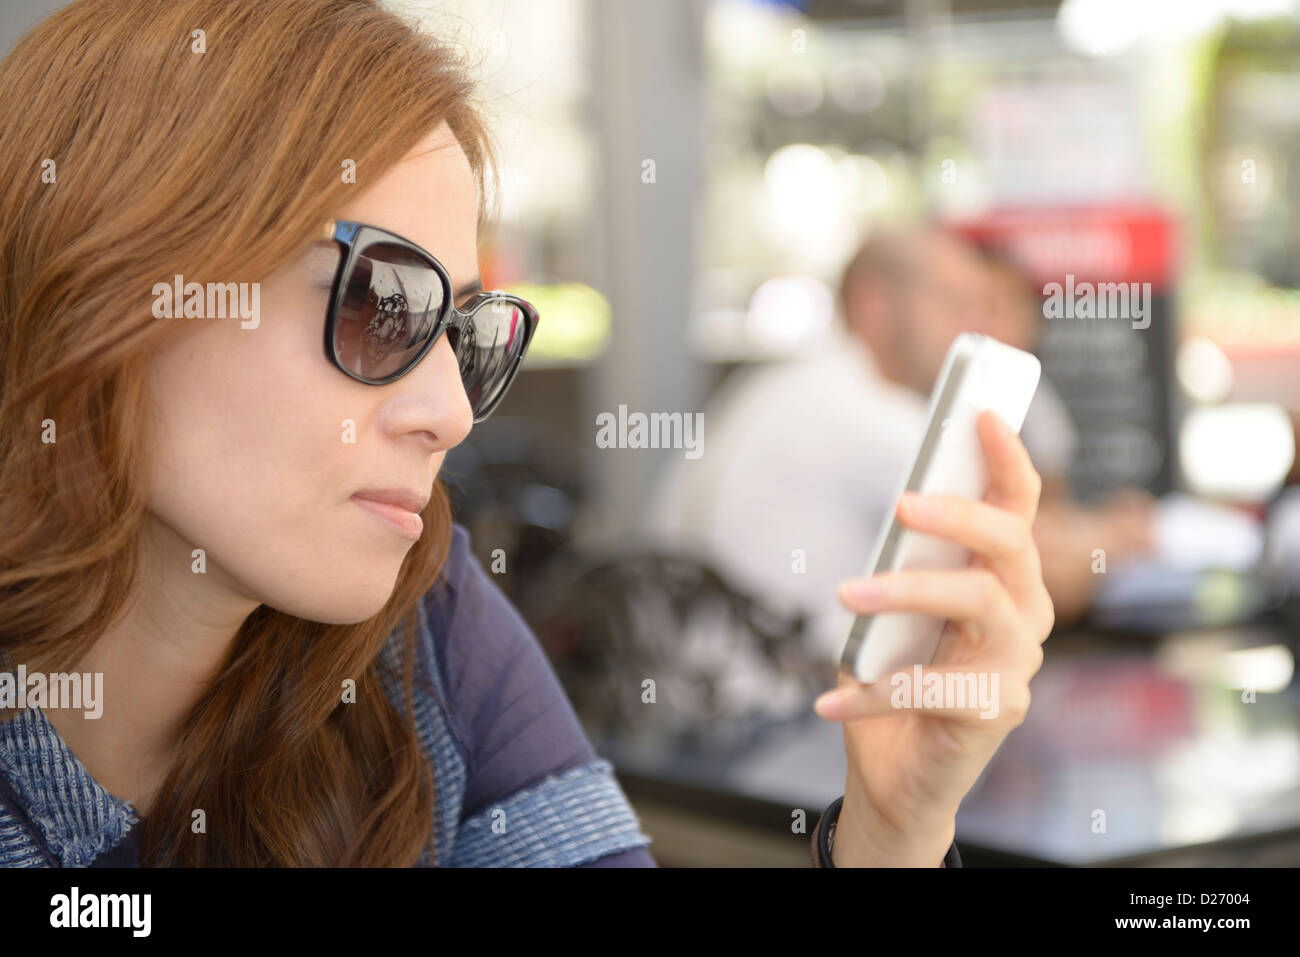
{"x":802,"y":461}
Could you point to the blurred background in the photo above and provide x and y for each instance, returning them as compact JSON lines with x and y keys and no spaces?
{"x":712,"y":419}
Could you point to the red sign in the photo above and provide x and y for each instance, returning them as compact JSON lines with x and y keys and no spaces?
{"x":1092,"y":243}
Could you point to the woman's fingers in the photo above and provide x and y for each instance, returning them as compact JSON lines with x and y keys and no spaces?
{"x":1004,"y":538}
{"x":973,"y":695}
{"x":1013,"y":482}
{"x":999,"y":529}
{"x":973,"y":596}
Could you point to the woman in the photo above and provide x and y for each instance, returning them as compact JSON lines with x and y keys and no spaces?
{"x":245,"y":535}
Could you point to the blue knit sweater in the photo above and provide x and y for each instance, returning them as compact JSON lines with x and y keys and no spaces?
{"x":504,"y":740}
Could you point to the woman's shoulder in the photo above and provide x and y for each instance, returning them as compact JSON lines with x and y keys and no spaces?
{"x":518,"y":783}
{"x":522,"y":769}
{"x":53,"y":813}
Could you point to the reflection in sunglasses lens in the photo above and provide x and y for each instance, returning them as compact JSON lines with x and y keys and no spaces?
{"x":389,"y":309}
{"x":390,"y":306}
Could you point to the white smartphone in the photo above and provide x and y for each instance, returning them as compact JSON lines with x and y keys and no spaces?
{"x":979,"y":373}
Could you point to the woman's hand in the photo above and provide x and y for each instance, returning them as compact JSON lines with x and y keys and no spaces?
{"x":909,"y":768}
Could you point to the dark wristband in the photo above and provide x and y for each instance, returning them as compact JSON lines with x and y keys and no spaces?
{"x":824,"y":833}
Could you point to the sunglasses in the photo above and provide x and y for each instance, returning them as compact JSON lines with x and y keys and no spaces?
{"x":390,"y":302}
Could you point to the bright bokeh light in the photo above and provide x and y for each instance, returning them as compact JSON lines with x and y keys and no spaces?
{"x":794,"y":89}
{"x":1204,"y":372}
{"x":575,"y":320}
{"x":802,"y":188}
{"x":1108,"y":27}
{"x":865,"y":180}
{"x":1239,"y":452}
{"x":786,"y":311}
{"x":1267,"y":669}
{"x":856,"y":86}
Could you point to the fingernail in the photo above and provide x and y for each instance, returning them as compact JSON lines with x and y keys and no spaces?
{"x":860,"y":590}
{"x":917,"y":506}
{"x":828,"y":705}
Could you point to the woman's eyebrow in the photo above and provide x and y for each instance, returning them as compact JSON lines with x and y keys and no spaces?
{"x":474,"y":285}
{"x":325,"y":253}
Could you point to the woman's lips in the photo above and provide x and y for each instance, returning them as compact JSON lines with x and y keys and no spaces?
{"x":402,"y":520}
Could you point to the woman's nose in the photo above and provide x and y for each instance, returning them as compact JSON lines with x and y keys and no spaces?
{"x":437,"y":379}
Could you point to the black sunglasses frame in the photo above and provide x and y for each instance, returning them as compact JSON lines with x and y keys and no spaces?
{"x":353,"y":237}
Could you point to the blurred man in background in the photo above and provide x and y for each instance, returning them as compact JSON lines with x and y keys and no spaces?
{"x":805,"y":457}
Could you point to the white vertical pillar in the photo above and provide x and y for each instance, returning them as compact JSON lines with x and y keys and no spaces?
{"x":649,"y":100}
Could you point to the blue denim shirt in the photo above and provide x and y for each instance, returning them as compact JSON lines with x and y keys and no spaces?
{"x":491,"y":714}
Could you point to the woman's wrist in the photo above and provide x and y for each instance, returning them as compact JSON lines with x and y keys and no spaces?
{"x":863,"y":839}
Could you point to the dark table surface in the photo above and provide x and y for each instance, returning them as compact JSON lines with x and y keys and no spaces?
{"x":1134,"y":748}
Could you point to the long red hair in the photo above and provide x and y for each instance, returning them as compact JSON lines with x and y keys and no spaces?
{"x":171,"y":161}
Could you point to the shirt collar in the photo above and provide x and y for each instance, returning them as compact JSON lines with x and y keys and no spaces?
{"x":76,"y":815}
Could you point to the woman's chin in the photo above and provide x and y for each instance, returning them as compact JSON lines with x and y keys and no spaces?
{"x":337,"y":608}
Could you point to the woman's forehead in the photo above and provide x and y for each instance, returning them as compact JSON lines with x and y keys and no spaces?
{"x":430,"y":198}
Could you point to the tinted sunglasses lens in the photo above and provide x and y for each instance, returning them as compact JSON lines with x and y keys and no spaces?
{"x":390,"y":305}
{"x":488,"y":350}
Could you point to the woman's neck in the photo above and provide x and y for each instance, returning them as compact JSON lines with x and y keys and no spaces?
{"x":156,"y":660}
